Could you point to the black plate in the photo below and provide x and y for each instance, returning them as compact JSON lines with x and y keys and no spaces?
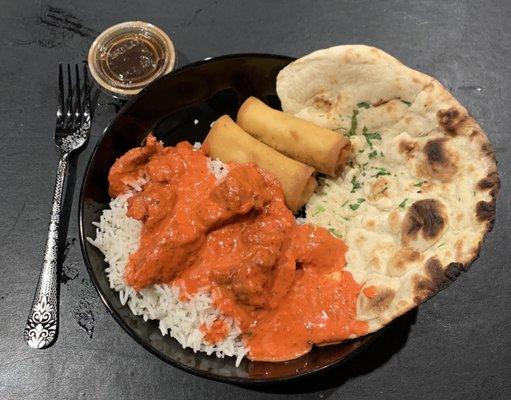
{"x":169,"y":107}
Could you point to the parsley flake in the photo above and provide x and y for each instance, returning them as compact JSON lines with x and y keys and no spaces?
{"x":406,"y":102}
{"x":334,"y":232}
{"x":319,"y":209}
{"x":419,"y":184}
{"x":381,"y":172}
{"x":363,"y":104}
{"x":356,"y":205}
{"x":356,"y":184}
{"x":403,"y":204}
{"x":370,"y":136}
{"x":354,"y":123}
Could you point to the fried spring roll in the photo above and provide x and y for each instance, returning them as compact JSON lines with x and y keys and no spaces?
{"x":228,"y":142}
{"x":325,"y":150}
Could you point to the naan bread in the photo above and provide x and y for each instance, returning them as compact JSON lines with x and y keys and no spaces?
{"x":419,"y":196}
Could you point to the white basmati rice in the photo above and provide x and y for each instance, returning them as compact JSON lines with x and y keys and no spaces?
{"x":218,"y":168}
{"x":117,"y":236}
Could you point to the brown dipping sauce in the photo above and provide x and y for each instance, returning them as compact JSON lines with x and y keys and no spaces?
{"x":127,"y":57}
{"x":131,"y":58}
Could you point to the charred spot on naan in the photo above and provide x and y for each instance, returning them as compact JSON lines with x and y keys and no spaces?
{"x":327,"y":104}
{"x":322,"y":102}
{"x":380,"y":102}
{"x":450,"y":119}
{"x":487,"y":151}
{"x":491,"y":183}
{"x":407,"y":148}
{"x":439,"y":162}
{"x":379,"y":188}
{"x":403,"y":260}
{"x":485,"y":210}
{"x":375,"y":302}
{"x":370,"y":224}
{"x":394,"y":221}
{"x":436,"y":279}
{"x":425,"y":222}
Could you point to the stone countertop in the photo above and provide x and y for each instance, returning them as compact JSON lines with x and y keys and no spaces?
{"x":456,"y":346}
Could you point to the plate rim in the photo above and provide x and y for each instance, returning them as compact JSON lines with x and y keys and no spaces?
{"x":368,"y":339}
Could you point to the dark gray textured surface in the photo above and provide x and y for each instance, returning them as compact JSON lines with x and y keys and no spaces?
{"x":458,"y":344}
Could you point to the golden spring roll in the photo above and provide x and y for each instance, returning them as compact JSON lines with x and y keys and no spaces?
{"x":228,"y":142}
{"x":325,"y":150}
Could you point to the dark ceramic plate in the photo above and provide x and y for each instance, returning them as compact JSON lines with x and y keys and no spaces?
{"x":201,"y":91}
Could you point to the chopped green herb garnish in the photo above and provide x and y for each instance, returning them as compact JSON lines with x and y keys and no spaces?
{"x":419,"y":184}
{"x":356,"y":205}
{"x":375,"y":153}
{"x":363,"y":104}
{"x":343,"y":204}
{"x":346,"y":218}
{"x":354,"y":123}
{"x":319,"y":209}
{"x":334,"y":232}
{"x":356,"y":184}
{"x":381,"y":172}
{"x":361,"y":151}
{"x":406,"y":102}
{"x":384,"y":189}
{"x":403,"y":203}
{"x":441,"y":245}
{"x":370,"y":136}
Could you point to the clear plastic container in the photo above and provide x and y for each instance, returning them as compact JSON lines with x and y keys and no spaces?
{"x":128,"y":56}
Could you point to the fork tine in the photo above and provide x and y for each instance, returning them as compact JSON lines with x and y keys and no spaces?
{"x":77,"y":109}
{"x":60,"y":98}
{"x":69,"y":100}
{"x":86,"y":94}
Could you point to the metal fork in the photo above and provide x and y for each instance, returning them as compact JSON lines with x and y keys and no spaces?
{"x":71,"y":132}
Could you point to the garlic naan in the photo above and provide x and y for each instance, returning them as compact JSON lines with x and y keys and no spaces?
{"x":419,"y":195}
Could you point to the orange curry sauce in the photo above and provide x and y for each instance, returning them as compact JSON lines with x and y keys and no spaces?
{"x":283,"y":283}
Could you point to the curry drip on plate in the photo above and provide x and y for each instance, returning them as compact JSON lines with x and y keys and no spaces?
{"x":283,"y":283}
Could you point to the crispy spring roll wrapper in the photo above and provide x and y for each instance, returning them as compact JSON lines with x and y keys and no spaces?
{"x":228,"y":142}
{"x":325,"y":150}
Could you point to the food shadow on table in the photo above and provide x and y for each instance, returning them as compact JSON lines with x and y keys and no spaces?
{"x":389,"y":342}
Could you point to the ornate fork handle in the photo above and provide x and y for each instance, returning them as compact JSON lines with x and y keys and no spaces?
{"x":42,"y":323}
